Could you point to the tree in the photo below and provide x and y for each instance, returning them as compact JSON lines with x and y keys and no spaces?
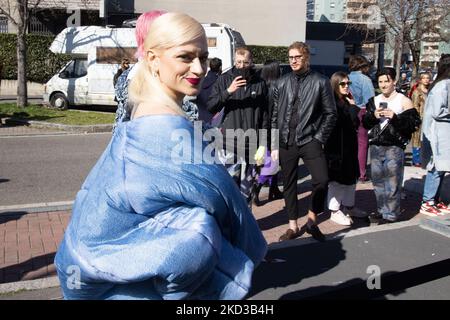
{"x":410,"y":22}
{"x":18,"y":12}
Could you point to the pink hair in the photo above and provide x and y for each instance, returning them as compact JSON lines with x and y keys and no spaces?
{"x":142,"y":25}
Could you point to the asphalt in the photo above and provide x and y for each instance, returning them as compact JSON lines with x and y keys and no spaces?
{"x":413,"y":263}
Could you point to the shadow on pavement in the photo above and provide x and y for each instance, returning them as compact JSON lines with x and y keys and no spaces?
{"x":11,"y":216}
{"x":365,"y":200}
{"x":290,"y":265}
{"x":4,"y":180}
{"x":390,"y":283}
{"x":355,"y":289}
{"x":34,"y":268}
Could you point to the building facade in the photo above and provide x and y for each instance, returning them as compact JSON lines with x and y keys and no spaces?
{"x":330,"y":10}
{"x":269,"y":22}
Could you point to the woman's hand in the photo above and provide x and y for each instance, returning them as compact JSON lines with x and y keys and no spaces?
{"x":387,"y":113}
{"x":350,"y":100}
{"x":378,"y":113}
{"x":236,"y":84}
{"x":274,"y":155}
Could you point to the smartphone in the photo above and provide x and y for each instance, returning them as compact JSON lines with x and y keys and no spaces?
{"x":244,"y":73}
{"x":383,"y":105}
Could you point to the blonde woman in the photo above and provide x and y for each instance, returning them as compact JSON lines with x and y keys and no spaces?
{"x":157,"y":228}
{"x":418,"y":98}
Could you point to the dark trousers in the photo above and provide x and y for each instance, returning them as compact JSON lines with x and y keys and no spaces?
{"x":314,"y":159}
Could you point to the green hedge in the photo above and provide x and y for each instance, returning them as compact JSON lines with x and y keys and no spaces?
{"x":42,"y":64}
{"x":263,"y":53}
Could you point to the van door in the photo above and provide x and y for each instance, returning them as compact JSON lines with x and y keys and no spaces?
{"x":75,"y":78}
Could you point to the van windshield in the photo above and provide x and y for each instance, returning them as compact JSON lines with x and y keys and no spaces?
{"x":75,"y":69}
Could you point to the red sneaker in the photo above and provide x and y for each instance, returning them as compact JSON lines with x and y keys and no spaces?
{"x":429,"y":209}
{"x":442,"y":207}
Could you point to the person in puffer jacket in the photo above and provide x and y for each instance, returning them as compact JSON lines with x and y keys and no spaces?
{"x":391,"y":120}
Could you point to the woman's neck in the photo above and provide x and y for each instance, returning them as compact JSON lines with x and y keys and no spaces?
{"x":423,"y":87}
{"x":390,"y":95}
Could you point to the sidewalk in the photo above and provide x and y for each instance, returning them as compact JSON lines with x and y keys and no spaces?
{"x":30,"y":239}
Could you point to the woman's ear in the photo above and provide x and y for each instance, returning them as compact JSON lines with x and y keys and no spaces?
{"x":153,"y":62}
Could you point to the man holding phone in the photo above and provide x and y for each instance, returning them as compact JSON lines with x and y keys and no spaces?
{"x":243,"y":96}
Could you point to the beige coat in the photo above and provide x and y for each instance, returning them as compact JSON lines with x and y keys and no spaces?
{"x":418,"y":99}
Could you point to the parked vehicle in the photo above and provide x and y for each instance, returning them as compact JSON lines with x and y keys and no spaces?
{"x":97,"y":53}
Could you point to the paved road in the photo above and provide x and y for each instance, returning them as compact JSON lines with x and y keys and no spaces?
{"x":413,"y":264}
{"x":46,"y":168}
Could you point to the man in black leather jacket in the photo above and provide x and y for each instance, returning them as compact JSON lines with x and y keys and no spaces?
{"x":243,"y":96}
{"x":304,"y":112}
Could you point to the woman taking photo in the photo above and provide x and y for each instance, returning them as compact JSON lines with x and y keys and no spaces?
{"x":342,"y":154}
{"x":391,"y":119}
{"x":146,"y":225}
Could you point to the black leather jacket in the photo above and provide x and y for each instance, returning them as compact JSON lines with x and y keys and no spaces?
{"x":317,"y":109}
{"x":246,"y":108}
{"x":396,"y":133}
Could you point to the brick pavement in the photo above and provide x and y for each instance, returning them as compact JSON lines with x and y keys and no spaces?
{"x":29,"y":240}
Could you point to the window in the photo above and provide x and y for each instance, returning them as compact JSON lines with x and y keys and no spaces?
{"x":3,"y":24}
{"x":332,"y":5}
{"x":75,"y":69}
{"x":80,"y":68}
{"x":354,"y":5}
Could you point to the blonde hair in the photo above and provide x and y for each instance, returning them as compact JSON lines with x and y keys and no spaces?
{"x":167,"y":31}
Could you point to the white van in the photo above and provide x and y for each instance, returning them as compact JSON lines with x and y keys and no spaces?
{"x":96,"y":56}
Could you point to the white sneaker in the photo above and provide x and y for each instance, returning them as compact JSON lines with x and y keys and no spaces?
{"x":340,"y":218}
{"x":355,"y":212}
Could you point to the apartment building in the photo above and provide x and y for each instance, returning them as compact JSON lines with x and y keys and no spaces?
{"x":330,"y":10}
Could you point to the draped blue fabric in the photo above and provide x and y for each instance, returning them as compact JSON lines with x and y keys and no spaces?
{"x":152,"y":221}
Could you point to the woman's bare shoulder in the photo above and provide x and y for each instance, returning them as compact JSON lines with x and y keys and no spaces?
{"x":146,"y":109}
{"x":407,"y":103}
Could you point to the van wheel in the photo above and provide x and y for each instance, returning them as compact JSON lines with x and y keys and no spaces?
{"x":59,"y":101}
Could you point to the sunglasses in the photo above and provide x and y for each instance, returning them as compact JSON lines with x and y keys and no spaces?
{"x":343,"y":83}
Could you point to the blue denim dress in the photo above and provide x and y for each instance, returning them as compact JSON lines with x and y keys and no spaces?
{"x":146,"y":225}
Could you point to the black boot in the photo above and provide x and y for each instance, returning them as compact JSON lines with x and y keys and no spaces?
{"x":274,"y":192}
{"x":256,"y":190}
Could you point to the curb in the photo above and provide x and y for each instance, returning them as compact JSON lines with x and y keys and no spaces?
{"x":63,"y":127}
{"x":37,"y":284}
{"x":440,"y":225}
{"x":14,"y":97}
{"x":36,"y":207}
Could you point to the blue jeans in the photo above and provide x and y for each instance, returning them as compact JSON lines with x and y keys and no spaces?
{"x":387,"y":178}
{"x":432,"y":186}
{"x":415,"y":155}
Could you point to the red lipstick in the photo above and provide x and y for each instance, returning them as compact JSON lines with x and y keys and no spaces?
{"x":194,"y":81}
